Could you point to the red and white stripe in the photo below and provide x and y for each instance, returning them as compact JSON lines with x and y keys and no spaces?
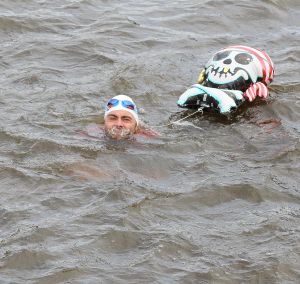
{"x":257,"y":89}
{"x":266,"y":63}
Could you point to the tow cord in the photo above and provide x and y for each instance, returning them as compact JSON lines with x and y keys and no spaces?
{"x":200,"y":110}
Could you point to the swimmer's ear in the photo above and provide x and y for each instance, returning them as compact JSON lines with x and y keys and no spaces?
{"x":201,"y":77}
{"x":138,"y":127}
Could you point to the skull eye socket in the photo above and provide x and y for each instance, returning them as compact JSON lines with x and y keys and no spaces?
{"x":220,"y":55}
{"x":243,"y":58}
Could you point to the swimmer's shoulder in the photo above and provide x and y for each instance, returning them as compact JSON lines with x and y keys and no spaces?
{"x":145,"y":130}
{"x":93,"y":130}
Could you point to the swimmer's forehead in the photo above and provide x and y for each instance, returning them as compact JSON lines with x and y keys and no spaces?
{"x":120,"y":113}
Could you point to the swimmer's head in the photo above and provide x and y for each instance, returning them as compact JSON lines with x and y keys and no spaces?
{"x":121,"y":117}
{"x":122,"y":102}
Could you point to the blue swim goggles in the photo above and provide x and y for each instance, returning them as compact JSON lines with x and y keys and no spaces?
{"x":125,"y":103}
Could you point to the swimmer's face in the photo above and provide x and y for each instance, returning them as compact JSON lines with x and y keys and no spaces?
{"x":120,"y":124}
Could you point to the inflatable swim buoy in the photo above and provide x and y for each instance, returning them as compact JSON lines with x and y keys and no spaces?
{"x":231,"y":76}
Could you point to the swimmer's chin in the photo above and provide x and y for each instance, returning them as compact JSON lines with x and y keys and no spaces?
{"x":119,"y":137}
{"x":119,"y":134}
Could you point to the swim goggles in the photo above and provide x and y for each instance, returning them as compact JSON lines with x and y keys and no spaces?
{"x":125,"y":103}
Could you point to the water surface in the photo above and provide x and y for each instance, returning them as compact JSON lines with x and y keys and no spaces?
{"x":209,"y":201}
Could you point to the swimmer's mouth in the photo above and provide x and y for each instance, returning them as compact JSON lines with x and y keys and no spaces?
{"x":119,"y":134}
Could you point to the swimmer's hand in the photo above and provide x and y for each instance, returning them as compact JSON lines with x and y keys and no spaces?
{"x":257,"y":89}
{"x":223,"y":101}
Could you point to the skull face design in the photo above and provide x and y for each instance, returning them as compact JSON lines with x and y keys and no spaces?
{"x":238,"y":67}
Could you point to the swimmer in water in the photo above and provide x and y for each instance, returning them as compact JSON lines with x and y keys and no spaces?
{"x":121,"y":119}
{"x":121,"y":122}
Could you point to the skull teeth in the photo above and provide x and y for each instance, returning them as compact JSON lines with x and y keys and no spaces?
{"x":225,"y":71}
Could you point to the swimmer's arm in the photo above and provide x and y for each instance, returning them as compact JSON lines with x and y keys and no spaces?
{"x":84,"y":171}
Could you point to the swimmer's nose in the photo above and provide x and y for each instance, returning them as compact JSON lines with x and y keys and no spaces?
{"x":119,"y":123}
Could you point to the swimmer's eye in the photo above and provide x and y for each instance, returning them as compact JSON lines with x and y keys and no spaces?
{"x":112,"y":117}
{"x":127,"y":119}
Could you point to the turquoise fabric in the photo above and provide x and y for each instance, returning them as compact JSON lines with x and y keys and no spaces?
{"x":227,"y":100}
